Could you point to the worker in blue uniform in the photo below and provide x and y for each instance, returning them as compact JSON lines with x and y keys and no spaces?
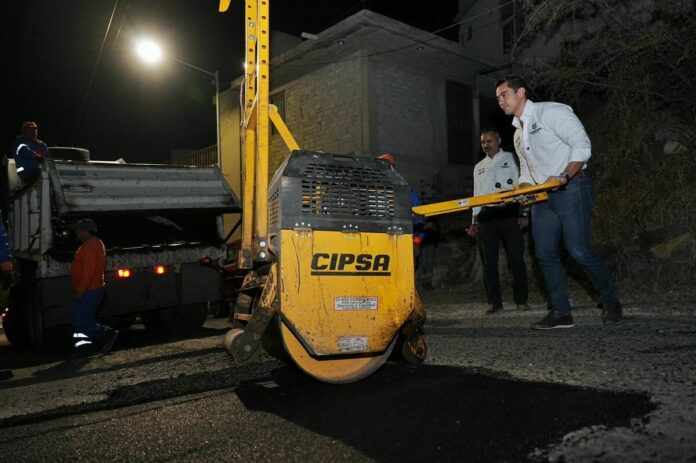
{"x":418,"y":223}
{"x":28,"y":151}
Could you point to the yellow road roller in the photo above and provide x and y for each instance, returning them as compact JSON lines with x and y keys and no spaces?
{"x":339,"y":291}
{"x":326,"y":251}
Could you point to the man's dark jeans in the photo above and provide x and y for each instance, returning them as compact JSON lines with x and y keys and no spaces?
{"x":568,"y":214}
{"x":496,"y":224}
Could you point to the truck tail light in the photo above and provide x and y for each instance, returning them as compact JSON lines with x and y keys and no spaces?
{"x":123,"y":273}
{"x":160,"y":269}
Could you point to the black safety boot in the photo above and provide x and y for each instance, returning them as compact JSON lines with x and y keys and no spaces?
{"x":552,"y":321}
{"x":108,"y":341}
{"x":492,"y":308}
{"x":612,"y":314}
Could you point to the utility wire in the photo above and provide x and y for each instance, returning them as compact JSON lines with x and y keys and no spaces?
{"x":63,"y":28}
{"x":94,"y":71}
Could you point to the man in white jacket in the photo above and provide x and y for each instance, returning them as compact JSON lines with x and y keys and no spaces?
{"x":552,"y":144}
{"x":497,"y":172}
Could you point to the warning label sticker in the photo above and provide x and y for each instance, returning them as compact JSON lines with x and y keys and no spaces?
{"x":355,"y":303}
{"x":352,"y":343}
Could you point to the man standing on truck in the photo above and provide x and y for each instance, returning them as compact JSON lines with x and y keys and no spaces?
{"x":88,"y":282}
{"x":28,"y":151}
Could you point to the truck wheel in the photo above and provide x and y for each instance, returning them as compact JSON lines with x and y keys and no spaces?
{"x":15,"y":321}
{"x":45,"y":339}
{"x":16,"y":327}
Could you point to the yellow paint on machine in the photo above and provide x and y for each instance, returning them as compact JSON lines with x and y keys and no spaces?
{"x":345,"y":293}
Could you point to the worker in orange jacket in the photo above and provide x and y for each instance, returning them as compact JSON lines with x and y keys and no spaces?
{"x":87,"y":276}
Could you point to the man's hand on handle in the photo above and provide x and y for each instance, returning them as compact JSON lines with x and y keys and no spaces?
{"x":555,"y":178}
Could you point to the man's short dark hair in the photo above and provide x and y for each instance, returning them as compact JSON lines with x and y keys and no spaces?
{"x":515,"y":82}
{"x":490,"y":130}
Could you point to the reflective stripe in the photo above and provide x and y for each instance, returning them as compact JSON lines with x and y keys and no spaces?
{"x":82,"y":343}
{"x":80,"y":336}
{"x":19,"y":147}
{"x":19,"y":169}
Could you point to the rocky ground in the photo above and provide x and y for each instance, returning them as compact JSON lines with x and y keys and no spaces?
{"x":652,"y":352}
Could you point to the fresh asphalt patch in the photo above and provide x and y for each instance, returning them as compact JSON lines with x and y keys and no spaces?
{"x":441,"y":413}
{"x":437,"y":413}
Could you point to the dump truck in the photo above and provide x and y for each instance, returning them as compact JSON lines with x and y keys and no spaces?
{"x":155,"y":221}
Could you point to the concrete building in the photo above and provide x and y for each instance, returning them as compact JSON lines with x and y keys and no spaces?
{"x":371,"y":85}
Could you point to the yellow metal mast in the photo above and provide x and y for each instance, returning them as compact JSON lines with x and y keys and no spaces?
{"x":257,"y":114}
{"x":246,"y":254}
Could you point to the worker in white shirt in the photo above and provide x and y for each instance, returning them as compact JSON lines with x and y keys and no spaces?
{"x":495,"y":173}
{"x":552,"y":145}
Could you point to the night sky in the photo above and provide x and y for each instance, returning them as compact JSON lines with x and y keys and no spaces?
{"x":123,"y":107}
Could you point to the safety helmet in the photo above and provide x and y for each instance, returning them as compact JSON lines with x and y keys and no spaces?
{"x":388,"y":157}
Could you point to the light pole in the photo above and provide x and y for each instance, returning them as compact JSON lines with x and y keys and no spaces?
{"x":151,"y":52}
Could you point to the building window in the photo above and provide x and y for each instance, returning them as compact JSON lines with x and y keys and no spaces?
{"x":512,"y":21}
{"x":459,"y":123}
{"x":278,"y":99}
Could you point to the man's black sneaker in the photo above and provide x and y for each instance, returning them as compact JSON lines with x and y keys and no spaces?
{"x":84,"y":350}
{"x":493,"y":309}
{"x":108,"y":342}
{"x":612,"y":313}
{"x":553,"y":321}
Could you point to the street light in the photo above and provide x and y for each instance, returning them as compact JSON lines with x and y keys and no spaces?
{"x":151,"y":52}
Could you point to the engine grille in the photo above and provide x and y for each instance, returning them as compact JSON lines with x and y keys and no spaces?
{"x":346,"y":190}
{"x":274,"y":210}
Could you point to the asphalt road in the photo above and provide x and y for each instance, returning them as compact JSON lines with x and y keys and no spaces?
{"x":491,"y":390}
